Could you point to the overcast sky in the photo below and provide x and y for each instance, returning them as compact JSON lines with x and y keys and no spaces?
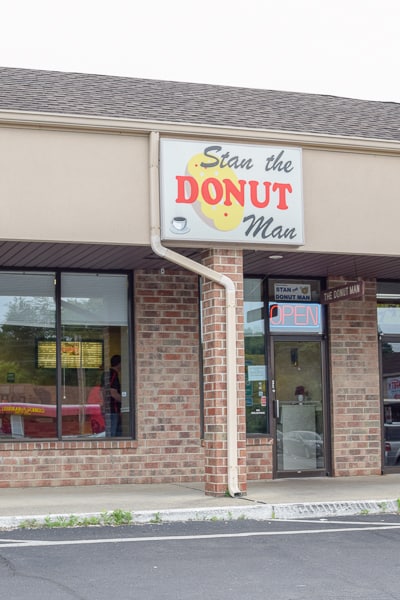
{"x":341,"y":47}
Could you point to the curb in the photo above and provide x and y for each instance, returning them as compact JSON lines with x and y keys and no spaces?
{"x":257,"y":512}
{"x":335,"y":509}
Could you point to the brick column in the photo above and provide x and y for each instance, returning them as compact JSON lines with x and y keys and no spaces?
{"x":355,"y":406}
{"x":167,"y":376}
{"x":229,"y":262}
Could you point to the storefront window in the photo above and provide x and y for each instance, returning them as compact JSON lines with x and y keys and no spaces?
{"x":64,"y":357}
{"x":256,"y":368}
{"x":95,"y":352}
{"x":389,"y":319}
{"x":27,"y":391}
{"x":388,"y":307}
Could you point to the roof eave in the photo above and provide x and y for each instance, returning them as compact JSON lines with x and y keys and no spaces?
{"x":32,"y":119}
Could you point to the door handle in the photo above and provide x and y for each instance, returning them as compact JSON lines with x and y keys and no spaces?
{"x":276,"y":409}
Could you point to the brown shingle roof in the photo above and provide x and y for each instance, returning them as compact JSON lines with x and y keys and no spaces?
{"x":154,"y":100}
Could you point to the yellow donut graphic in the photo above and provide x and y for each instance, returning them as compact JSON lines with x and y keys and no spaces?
{"x":216,"y":203}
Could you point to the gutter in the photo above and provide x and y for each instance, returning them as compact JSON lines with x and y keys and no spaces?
{"x":230,"y":297}
{"x":125,"y":126}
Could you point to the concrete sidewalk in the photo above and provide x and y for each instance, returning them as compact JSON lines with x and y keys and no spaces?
{"x":279,"y":499}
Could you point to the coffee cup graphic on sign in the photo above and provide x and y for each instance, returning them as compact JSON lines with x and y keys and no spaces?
{"x":179,"y":225}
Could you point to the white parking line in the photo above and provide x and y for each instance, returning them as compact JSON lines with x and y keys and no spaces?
{"x":322,"y":520}
{"x":183,"y":538}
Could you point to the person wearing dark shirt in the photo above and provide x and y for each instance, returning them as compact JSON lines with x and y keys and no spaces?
{"x":112,"y":394}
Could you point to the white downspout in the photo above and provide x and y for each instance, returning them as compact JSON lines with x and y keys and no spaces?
{"x":230,"y":296}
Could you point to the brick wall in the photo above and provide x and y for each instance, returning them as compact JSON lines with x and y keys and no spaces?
{"x":167,"y":370}
{"x":259,"y":458}
{"x":228,"y":262}
{"x":168,"y":445}
{"x":355,"y":392}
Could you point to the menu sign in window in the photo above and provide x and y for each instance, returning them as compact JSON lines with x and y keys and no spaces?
{"x":87,"y":354}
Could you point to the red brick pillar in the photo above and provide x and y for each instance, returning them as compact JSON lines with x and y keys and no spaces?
{"x":355,"y":407}
{"x":229,"y":263}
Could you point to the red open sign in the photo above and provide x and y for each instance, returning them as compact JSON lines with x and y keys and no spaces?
{"x":292,"y":317}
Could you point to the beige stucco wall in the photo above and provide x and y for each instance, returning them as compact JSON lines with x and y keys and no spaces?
{"x":75,"y":185}
{"x":351,"y":201}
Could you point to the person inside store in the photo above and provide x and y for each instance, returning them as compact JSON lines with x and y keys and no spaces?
{"x":112,"y":396}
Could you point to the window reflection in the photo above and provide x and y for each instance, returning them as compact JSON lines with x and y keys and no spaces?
{"x":389,"y":319}
{"x":94,"y":319}
{"x":27,"y":392}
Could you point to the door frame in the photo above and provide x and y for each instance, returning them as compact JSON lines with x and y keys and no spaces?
{"x":327,"y":470}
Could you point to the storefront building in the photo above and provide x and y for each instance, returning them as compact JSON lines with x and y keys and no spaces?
{"x":215,"y":270}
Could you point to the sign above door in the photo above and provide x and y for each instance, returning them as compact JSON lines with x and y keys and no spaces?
{"x":344,"y":292}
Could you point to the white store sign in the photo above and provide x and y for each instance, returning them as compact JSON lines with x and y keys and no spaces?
{"x":217,"y":192}
{"x":292,"y":292}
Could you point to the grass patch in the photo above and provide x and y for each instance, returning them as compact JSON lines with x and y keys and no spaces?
{"x":115,"y":518}
{"x":29,"y":524}
{"x":156,"y":520}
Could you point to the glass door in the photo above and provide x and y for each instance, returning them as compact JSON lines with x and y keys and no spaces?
{"x":298,"y":388}
{"x":390,"y":364}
